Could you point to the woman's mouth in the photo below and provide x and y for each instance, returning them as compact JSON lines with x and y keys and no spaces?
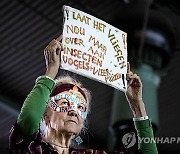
{"x":72,"y":121}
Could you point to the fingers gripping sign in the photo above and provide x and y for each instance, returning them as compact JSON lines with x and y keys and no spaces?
{"x":134,"y":89}
{"x":134,"y":94}
{"x":59,"y":39}
{"x":52,"y":56}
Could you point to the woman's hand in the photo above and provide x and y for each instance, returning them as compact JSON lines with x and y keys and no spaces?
{"x":134,"y":89}
{"x":134,"y":94}
{"x":52,"y":54}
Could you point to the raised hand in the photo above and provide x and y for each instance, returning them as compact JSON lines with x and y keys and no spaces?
{"x":134,"y":90}
{"x":134,"y":94}
{"x":52,"y":54}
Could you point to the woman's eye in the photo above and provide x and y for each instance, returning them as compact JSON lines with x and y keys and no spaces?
{"x":82,"y":108}
{"x":64,"y":103}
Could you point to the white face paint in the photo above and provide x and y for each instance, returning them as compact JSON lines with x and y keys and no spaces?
{"x":72,"y":102}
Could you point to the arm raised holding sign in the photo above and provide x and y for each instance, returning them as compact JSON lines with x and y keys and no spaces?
{"x":141,"y":120}
{"x":134,"y":94}
{"x":54,"y":112}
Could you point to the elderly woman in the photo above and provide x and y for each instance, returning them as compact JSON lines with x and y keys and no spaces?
{"x":54,"y":112}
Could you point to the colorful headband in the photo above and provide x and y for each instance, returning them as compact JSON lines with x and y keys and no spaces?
{"x":65,"y":87}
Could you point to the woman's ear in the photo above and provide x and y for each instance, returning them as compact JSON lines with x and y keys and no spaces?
{"x":47,"y":112}
{"x":46,"y":119}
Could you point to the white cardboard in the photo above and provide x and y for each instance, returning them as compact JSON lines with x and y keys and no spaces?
{"x":94,"y":48}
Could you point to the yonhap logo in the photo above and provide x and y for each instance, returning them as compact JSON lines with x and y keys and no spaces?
{"x":129,"y":139}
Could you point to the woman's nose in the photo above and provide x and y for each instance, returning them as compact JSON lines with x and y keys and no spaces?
{"x":72,"y":113}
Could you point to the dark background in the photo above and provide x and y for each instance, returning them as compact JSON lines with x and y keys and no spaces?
{"x":26,"y":27}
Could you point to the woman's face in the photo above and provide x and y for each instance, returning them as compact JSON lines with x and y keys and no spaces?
{"x":69,"y":122}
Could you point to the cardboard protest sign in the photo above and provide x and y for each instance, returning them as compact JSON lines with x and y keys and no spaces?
{"x":94,"y":48}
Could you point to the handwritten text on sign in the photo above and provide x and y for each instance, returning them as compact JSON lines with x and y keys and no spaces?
{"x":94,"y":49}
